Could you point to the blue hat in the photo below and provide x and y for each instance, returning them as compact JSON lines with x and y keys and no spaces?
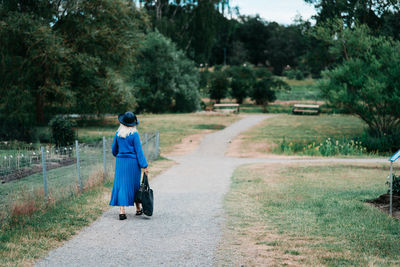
{"x":128,"y":119}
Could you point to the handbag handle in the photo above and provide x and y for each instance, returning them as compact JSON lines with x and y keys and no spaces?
{"x":145,"y":180}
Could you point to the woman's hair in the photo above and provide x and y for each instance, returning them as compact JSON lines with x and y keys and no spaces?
{"x":124,"y":131}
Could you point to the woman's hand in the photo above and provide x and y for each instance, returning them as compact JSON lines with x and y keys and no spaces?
{"x":146,"y":171}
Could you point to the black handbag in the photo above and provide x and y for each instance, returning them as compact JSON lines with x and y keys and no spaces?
{"x":145,"y":196}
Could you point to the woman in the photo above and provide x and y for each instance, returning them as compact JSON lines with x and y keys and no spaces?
{"x":130,"y":160}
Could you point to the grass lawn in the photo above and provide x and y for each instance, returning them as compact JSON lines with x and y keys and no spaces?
{"x":300,"y":90}
{"x":265,"y":137}
{"x":308,"y":214}
{"x":173,"y":127}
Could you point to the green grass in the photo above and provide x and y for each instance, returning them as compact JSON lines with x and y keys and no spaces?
{"x":300,"y":90}
{"x":301,"y":129}
{"x":317,"y":211}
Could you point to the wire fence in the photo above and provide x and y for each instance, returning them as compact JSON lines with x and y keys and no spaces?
{"x":33,"y":177}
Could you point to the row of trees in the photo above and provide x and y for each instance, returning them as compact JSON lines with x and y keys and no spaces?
{"x":240,"y":82}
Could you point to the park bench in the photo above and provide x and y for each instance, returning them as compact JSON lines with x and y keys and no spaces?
{"x":227,"y":108}
{"x":306,"y":109}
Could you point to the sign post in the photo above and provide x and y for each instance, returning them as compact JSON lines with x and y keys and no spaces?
{"x":392,"y":159}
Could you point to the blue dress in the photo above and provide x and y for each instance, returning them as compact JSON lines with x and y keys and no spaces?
{"x":130,"y":160}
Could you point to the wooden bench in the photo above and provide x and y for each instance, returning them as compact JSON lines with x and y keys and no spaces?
{"x":306,"y":109}
{"x":227,"y":107}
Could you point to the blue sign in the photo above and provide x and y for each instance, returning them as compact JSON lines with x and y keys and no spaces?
{"x":395,"y":156}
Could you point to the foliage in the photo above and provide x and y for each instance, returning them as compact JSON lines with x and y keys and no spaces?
{"x":192,"y":24}
{"x":367,"y":83}
{"x":376,"y":14}
{"x":328,"y":147}
{"x":165,"y":80}
{"x":219,"y":85}
{"x":264,"y":89}
{"x":395,"y":185}
{"x":65,"y":56}
{"x":294,"y":74}
{"x":385,"y":143}
{"x":62,"y":129}
{"x":243,"y":79}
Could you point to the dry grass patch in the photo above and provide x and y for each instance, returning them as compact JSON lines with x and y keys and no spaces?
{"x":308,"y":214}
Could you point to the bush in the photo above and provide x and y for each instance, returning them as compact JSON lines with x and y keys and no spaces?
{"x":396,"y":185}
{"x":381,"y":142}
{"x":62,"y":129}
{"x":243,"y":80}
{"x":294,"y":74}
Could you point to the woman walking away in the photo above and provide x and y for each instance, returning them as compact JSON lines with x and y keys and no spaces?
{"x":130,"y":160}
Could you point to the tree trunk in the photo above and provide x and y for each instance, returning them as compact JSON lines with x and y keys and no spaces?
{"x":39,"y":108}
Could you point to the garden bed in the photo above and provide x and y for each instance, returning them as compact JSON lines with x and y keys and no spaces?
{"x":21,"y":173}
{"x":383,"y":203}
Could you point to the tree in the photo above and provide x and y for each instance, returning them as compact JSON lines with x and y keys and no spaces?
{"x":165,"y":80}
{"x":32,"y":62}
{"x":191,"y":24}
{"x":265,"y":87}
{"x":219,"y":85}
{"x":104,"y":37}
{"x":374,"y":13}
{"x":367,"y":82}
{"x":242,"y":83}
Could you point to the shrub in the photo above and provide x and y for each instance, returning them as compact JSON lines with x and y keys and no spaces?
{"x":62,"y":129}
{"x":396,"y":185}
{"x":219,"y":85}
{"x":243,"y":80}
{"x":381,"y":142}
{"x":294,"y":74}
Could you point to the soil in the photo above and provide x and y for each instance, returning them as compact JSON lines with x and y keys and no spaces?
{"x":21,"y":173}
{"x":383,"y":201}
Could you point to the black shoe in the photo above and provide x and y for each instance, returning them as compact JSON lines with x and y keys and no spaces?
{"x":122,"y":216}
{"x":139,"y":212}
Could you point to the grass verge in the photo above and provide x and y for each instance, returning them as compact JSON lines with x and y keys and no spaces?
{"x":308,"y":214}
{"x":35,"y":228}
{"x":266,"y":137}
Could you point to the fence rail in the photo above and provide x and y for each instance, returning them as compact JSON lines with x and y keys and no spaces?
{"x":52,"y":174}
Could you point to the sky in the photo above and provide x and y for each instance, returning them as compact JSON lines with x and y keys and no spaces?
{"x":281,"y":11}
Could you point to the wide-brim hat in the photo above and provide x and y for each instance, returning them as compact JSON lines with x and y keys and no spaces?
{"x":128,"y":119}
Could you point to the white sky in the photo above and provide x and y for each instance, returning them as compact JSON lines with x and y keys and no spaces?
{"x":281,"y":11}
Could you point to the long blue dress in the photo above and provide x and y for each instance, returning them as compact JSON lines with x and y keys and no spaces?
{"x":130,"y":160}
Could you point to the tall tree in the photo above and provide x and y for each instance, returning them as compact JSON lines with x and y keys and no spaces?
{"x":369,"y":12}
{"x":367,"y":82}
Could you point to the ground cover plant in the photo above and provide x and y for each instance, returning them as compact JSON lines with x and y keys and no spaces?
{"x":303,"y":135}
{"x":308,"y":214}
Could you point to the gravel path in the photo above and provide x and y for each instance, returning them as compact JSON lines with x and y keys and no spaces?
{"x":185,"y":227}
